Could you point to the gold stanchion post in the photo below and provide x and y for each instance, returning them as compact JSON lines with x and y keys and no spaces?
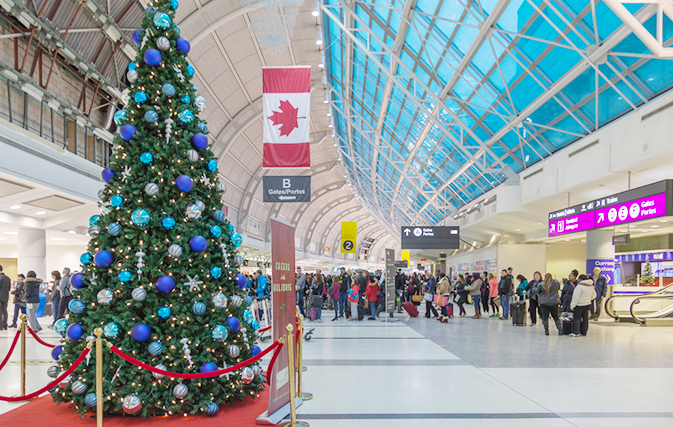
{"x":99,"y":377}
{"x":290,"y":354}
{"x":23,"y":354}
{"x":300,"y":367}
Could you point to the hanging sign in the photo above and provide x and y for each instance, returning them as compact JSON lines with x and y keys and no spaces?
{"x":349,"y":234}
{"x":390,"y":280}
{"x":414,"y":237}
{"x":287,"y":189}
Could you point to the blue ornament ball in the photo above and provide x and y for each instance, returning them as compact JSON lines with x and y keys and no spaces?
{"x":152,"y":57}
{"x":140,"y":332}
{"x":247,"y":316}
{"x":90,"y":400}
{"x":140,"y":217}
{"x":162,"y":20}
{"x":137,"y":37}
{"x":60,"y":326}
{"x":168,"y":89}
{"x":236,"y":239}
{"x":132,"y":66}
{"x":241,"y":281}
{"x":75,"y":331}
{"x":184,"y":183}
{"x":124,"y":276}
{"x":219,"y":216}
{"x":164,"y":312}
{"x":211,"y":409}
{"x":248,"y":301}
{"x":198,"y":243}
{"x":215,"y":272}
{"x":219,"y":333}
{"x":199,"y":141}
{"x":255,"y":350}
{"x":114,"y":229}
{"x":165,"y":284}
{"x":127,"y":131}
{"x":116,"y":200}
{"x":234,"y":324}
{"x":56,"y":352}
{"x":76,"y":306}
{"x":103,"y":259}
{"x":183,"y":45}
{"x":107,"y":175}
{"x":146,"y":158}
{"x":111,"y":330}
{"x":255,"y":325}
{"x":177,"y":30}
{"x":190,"y":69}
{"x":151,"y":116}
{"x":208,"y":367}
{"x":77,"y":280}
{"x":212,"y":165}
{"x":185,"y":99}
{"x":215,"y":231}
{"x":198,"y":308}
{"x":185,"y":117}
{"x":120,"y":117}
{"x":85,"y":258}
{"x":202,"y":127}
{"x":150,"y":11}
{"x":140,"y":97}
{"x":155,"y":348}
{"x":174,"y":4}
{"x":168,"y":223}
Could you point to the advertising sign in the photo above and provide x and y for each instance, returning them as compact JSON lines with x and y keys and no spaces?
{"x":621,"y":239}
{"x":430,"y":237}
{"x":287,"y":189}
{"x":390,"y":280}
{"x":607,"y":267}
{"x":283,"y":302}
{"x":349,"y":235}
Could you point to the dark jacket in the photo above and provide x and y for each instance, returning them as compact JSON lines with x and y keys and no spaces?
{"x":462,"y":292}
{"x":399,"y":282}
{"x":5,"y":286}
{"x":19,"y":297}
{"x":567,"y":295}
{"x":551,"y":298}
{"x":532,"y":290}
{"x":33,"y":290}
{"x":64,"y":286}
{"x":345,"y":283}
{"x":506,"y":286}
{"x":601,"y":286}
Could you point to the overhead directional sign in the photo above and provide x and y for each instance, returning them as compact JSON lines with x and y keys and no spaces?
{"x":419,"y":237}
{"x":287,"y":189}
{"x":349,"y":235}
{"x":402,"y":264}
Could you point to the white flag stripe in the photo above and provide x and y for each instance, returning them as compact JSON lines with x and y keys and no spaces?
{"x":272,"y":105}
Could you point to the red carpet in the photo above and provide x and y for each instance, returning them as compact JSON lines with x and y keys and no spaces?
{"x":44,"y":411}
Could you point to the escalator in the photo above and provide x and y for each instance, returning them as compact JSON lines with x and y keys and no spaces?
{"x":657,"y":304}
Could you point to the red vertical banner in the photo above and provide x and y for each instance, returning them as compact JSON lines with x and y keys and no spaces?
{"x":286,"y":95}
{"x":283,"y":303}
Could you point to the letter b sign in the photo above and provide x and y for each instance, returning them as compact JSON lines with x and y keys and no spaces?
{"x":286,"y":183}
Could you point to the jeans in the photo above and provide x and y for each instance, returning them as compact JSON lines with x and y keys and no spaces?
{"x":598,"y":302}
{"x":504,"y":302}
{"x":343,"y":297}
{"x":300,"y":304}
{"x":18,"y":308}
{"x":319,"y":310}
{"x":54,"y":308}
{"x":335,"y":301}
{"x":581,"y":319}
{"x":3,"y":314}
{"x":32,"y":309}
{"x":372,"y":307}
{"x":475,"y":301}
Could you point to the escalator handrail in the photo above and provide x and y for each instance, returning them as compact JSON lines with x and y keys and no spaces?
{"x":608,"y":305}
{"x":648,"y":296}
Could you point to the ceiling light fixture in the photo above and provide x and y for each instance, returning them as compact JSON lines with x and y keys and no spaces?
{"x":331,"y":122}
{"x":318,"y":39}
{"x":329,"y":111}
{"x":11,"y":233}
{"x":14,"y":207}
{"x":40,"y":213}
{"x":72,"y":232}
{"x":321,"y":63}
{"x":327,"y":98}
{"x":323,"y":79}
{"x":316,"y":8}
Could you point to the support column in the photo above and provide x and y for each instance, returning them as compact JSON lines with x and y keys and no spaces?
{"x":601,"y":253}
{"x":32,"y":252}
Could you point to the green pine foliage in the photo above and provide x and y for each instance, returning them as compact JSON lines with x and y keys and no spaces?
{"x":648,"y":276}
{"x":170,"y":159}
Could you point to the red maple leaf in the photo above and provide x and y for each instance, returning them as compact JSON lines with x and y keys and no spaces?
{"x":286,"y":117}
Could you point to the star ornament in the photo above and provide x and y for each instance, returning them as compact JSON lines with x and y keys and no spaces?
{"x":193,"y":283}
{"x":126,"y":173}
{"x":286,"y":118}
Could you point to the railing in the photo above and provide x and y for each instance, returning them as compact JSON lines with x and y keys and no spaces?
{"x":666,"y":292}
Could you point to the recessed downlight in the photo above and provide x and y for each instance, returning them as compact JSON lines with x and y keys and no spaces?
{"x":15,"y":207}
{"x":40,"y":213}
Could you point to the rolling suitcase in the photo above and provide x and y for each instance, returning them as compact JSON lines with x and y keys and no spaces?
{"x":518,"y":313}
{"x":567,"y":326}
{"x":449,"y":309}
{"x":410,"y":308}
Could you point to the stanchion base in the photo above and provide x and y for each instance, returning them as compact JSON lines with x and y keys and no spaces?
{"x":306,"y":396}
{"x":304,"y":369}
{"x":297,"y":424}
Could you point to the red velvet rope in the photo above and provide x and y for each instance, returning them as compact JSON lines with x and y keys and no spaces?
{"x":38,"y":339}
{"x":51,"y":384}
{"x":150,"y":368}
{"x":264,"y":329}
{"x":11,"y":349}
{"x":273,"y":362}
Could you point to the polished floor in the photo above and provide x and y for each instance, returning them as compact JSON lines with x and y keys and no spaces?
{"x":486,"y":372}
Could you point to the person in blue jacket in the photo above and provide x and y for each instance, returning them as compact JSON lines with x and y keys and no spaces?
{"x":601,"y":285}
{"x":261,"y":284}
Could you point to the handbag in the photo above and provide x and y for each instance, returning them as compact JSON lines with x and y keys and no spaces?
{"x":317,"y":301}
{"x":366,"y":302}
{"x":441,"y":300}
{"x":427,"y":297}
{"x":417,"y":298}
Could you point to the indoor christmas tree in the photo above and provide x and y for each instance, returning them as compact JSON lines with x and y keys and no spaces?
{"x":160,"y":275}
{"x":647,"y":278}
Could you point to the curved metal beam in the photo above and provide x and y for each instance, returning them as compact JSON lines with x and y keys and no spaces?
{"x":238,"y":124}
{"x":321,"y":214}
{"x":206,"y":10}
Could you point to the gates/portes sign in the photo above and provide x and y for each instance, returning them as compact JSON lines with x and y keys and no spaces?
{"x":418,"y":237}
{"x":287,"y":189}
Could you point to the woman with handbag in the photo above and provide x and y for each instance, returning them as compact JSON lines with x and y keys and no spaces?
{"x":317,"y":293}
{"x":372,"y":297}
{"x":443,"y":291}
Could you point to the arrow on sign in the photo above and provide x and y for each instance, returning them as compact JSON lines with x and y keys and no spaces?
{"x":287,"y":197}
{"x":407,"y":231}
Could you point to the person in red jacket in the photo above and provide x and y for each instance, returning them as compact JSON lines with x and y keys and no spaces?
{"x":372,"y":297}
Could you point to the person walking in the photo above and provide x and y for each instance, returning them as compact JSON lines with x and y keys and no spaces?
{"x":430,"y":289}
{"x":531,"y":290}
{"x":475,"y":291}
{"x":55,"y":296}
{"x":493,"y":294}
{"x":583,"y":294}
{"x":548,"y":299}
{"x":19,"y":298}
{"x":345,"y":281}
{"x":335,"y":294}
{"x":444,"y":289}
{"x":5,"y":287}
{"x":372,"y":297}
{"x":462,"y":295}
{"x":601,"y":290}
{"x":33,"y":299}
{"x":301,"y":288}
{"x":66,"y":294}
{"x":505,"y":290}
{"x":317,"y":291}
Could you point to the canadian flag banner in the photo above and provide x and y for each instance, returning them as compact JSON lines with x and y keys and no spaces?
{"x":287,"y":110}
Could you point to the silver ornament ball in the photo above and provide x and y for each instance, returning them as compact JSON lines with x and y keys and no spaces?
{"x":234,"y":351}
{"x":132,"y":75}
{"x":79,"y":387}
{"x":193,"y":155}
{"x":139,"y":294}
{"x":163,"y":43}
{"x":52,"y":372}
{"x":131,"y":404}
{"x":159,"y":376}
{"x":175,"y":251}
{"x":180,"y":391}
{"x":152,"y":189}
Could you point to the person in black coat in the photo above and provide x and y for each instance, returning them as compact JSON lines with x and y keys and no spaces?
{"x":462,"y":294}
{"x":5,"y":286}
{"x":567,"y":292}
{"x":33,"y":299}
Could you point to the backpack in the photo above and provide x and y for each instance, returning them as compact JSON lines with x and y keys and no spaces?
{"x":484,"y":286}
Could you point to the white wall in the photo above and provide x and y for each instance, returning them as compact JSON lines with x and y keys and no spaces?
{"x":64,"y":256}
{"x":564,"y":257}
{"x":482,"y":254}
{"x":524,"y":259}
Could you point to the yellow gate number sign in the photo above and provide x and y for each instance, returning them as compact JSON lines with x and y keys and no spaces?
{"x":349,"y":234}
